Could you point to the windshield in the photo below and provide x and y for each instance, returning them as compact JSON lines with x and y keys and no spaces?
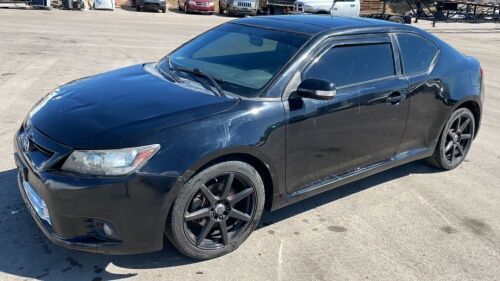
{"x":244,"y":58}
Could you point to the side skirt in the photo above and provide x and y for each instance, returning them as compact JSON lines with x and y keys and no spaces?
{"x":282,"y":200}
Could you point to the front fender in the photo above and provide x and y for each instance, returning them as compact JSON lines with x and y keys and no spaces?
{"x":252,"y":127}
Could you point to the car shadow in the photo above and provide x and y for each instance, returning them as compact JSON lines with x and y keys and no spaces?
{"x":27,"y":253}
{"x":418,"y":167}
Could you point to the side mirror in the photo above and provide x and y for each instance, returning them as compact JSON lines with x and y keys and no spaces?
{"x":316,"y":89}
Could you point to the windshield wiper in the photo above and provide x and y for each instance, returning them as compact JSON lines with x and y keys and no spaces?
{"x":213,"y":80}
{"x":170,"y":75}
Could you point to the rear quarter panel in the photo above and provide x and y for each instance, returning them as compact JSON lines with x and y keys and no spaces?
{"x":436,"y":94}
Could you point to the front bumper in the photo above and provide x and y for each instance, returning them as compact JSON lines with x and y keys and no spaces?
{"x":71,"y":209}
{"x":201,"y":8}
{"x":154,"y":4}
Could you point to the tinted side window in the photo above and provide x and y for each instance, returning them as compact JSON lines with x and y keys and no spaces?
{"x":344,"y":65}
{"x":417,"y":53}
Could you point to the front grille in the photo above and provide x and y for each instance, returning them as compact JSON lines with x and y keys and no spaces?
{"x":35,"y":152}
{"x":203,"y":4}
{"x":245,"y":4}
{"x":41,"y":152}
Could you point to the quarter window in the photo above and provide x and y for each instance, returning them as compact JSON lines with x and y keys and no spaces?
{"x":350,"y":64}
{"x":417,"y":53}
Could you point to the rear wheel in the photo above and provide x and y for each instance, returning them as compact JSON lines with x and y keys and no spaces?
{"x":455,"y":140}
{"x":217,"y":210}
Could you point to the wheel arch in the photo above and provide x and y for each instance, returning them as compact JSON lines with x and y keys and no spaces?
{"x":475,"y":108}
{"x":269,"y":177}
{"x":260,"y":165}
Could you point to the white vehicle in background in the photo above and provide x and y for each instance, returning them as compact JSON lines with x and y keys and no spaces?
{"x":350,"y":8}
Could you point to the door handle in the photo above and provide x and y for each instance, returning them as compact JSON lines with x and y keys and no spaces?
{"x":353,"y":5}
{"x":394,"y":98}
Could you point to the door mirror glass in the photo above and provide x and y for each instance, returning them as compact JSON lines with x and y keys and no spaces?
{"x":316,"y":89}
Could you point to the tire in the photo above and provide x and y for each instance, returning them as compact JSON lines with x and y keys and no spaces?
{"x":455,"y":140}
{"x":238,"y":210}
{"x":397,"y":19}
{"x":164,"y":10}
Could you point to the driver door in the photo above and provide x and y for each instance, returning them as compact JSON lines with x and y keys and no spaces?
{"x":361,"y":126}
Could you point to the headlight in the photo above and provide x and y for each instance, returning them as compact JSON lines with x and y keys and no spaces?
{"x":114,"y":162}
{"x":211,"y":4}
{"x":192,"y":3}
{"x":308,"y":8}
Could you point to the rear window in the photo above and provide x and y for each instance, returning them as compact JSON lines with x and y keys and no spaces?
{"x":351,"y":64}
{"x":417,"y":53}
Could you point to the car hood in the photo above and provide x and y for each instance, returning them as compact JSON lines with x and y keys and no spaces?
{"x":121,"y":108}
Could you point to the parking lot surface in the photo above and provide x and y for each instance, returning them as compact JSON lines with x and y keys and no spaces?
{"x":409,"y":223}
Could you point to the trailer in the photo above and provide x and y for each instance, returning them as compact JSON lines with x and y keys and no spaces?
{"x":455,"y":11}
{"x":377,"y":9}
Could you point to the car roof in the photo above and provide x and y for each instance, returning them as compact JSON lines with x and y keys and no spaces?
{"x":311,"y":24}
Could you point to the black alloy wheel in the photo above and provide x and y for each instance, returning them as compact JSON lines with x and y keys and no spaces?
{"x":455,"y":141}
{"x":217,"y":210}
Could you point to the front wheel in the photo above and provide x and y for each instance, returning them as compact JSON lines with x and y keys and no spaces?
{"x":455,"y":140}
{"x":217,"y":210}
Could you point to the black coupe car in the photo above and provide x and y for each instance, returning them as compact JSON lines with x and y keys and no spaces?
{"x":256,"y":113}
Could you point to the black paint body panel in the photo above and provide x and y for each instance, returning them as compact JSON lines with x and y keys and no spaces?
{"x":307,"y":146}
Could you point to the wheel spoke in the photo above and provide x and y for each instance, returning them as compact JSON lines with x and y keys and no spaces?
{"x":206,"y":229}
{"x":201,"y":213}
{"x":448,"y":146}
{"x":233,"y":199}
{"x":454,"y":151}
{"x":227,"y":185}
{"x":458,"y":122}
{"x":223,"y":232}
{"x":450,"y":133}
{"x":464,"y":125}
{"x":208,"y":194}
{"x":239,"y":215}
{"x":465,"y":136}
{"x":461,"y":150}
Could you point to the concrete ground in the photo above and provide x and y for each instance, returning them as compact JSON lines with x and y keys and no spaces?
{"x":409,"y":223}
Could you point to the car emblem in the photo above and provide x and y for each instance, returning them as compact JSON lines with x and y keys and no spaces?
{"x":26,"y":143}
